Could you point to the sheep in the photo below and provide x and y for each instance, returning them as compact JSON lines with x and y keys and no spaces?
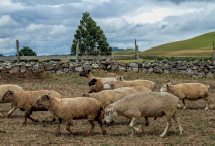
{"x":3,"y":89}
{"x":26,"y":101}
{"x":149,"y":104}
{"x":117,"y":84}
{"x":74,"y":108}
{"x":107,"y":97}
{"x":188,"y":91}
{"x":89,"y":76}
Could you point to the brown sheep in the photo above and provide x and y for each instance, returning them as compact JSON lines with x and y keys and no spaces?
{"x":149,"y":104}
{"x":188,"y":91}
{"x":117,"y":84}
{"x":26,"y":101}
{"x":107,"y":97}
{"x":97,"y":88}
{"x":3,"y":89}
{"x":74,"y":108}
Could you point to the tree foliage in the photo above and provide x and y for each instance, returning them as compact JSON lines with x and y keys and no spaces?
{"x":26,"y":51}
{"x":90,"y":36}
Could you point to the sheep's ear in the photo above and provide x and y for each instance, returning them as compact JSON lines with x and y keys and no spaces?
{"x":89,"y":71}
{"x":48,"y":93}
{"x":48,"y":96}
{"x":85,"y":95}
{"x":11,"y":92}
{"x":112,"y":84}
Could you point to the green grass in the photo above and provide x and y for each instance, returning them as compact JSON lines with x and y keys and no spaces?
{"x":197,"y":46}
{"x":126,"y":52}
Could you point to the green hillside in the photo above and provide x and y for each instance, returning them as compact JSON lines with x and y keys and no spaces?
{"x":201,"y":46}
{"x":125,"y":52}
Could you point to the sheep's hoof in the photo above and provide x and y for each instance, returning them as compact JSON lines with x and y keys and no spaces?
{"x":140,"y":129}
{"x":147,"y":124}
{"x":205,"y":109}
{"x":36,"y":120}
{"x":57,"y":134}
{"x":162,"y":135}
{"x":75,"y":133}
{"x":184,"y":108}
{"x":131,"y":135}
{"x":104,"y":132}
{"x":86,"y":134}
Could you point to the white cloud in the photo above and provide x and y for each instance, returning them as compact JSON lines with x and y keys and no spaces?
{"x":7,"y":21}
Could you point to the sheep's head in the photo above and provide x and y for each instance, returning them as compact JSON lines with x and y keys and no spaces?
{"x":110,"y":113}
{"x":108,"y":86}
{"x":165,"y":87}
{"x":92,"y":82}
{"x":7,"y":95}
{"x":119,"y":78}
{"x":84,"y":73}
{"x":43,"y":99}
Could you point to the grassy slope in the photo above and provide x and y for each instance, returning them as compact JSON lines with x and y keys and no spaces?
{"x":197,"y":46}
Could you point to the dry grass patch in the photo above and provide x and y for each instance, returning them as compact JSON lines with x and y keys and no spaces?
{"x":198,"y":124}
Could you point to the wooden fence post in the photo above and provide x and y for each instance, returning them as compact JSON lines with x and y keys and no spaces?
{"x":17,"y":49}
{"x":136,"y":49}
{"x":77,"y":50}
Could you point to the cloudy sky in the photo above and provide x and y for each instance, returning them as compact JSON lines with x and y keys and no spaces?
{"x":48,"y":26}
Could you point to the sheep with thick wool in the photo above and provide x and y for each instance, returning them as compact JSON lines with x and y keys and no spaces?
{"x":117,"y":84}
{"x":188,"y":91}
{"x":98,"y":87}
{"x":26,"y":101}
{"x":69,"y":109}
{"x":149,"y":104}
{"x":107,"y":97}
{"x":3,"y":89}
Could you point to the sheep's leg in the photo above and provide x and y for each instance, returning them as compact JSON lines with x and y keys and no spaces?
{"x":11,"y":111}
{"x":1,"y":115}
{"x":32,"y":119}
{"x":167,"y":127}
{"x":177,"y":120}
{"x":183,"y":100}
{"x":179,"y":106}
{"x":101,"y":124}
{"x":208,"y":100}
{"x":25,"y":121}
{"x":68,"y":129}
{"x":53,"y":120}
{"x":146,"y":121}
{"x":131,"y":125}
{"x":92,"y":122}
{"x":58,"y":127}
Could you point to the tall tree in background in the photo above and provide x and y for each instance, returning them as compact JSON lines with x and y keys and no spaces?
{"x":90,"y":36}
{"x":26,"y":51}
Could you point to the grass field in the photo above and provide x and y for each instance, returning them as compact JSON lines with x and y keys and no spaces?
{"x":198,"y":125}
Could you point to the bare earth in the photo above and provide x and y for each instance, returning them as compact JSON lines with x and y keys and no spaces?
{"x":198,"y":125}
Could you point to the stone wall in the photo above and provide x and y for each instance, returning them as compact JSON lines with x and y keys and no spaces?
{"x":193,"y":69}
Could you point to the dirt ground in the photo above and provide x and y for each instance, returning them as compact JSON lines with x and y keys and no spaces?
{"x":198,"y":125}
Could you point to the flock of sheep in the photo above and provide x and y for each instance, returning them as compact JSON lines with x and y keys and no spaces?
{"x":107,"y":98}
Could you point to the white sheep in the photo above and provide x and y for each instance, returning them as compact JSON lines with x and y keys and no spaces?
{"x":94,"y":88}
{"x":149,"y":104}
{"x":118,"y":84}
{"x":188,"y":91}
{"x":74,"y":108}
{"x":107,"y":97}
{"x":26,"y":101}
{"x":3,"y":89}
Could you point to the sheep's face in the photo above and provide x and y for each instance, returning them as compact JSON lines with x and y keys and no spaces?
{"x":92,"y":82}
{"x":109,"y":114}
{"x":108,"y":86}
{"x":43,"y":99}
{"x":84,"y":73}
{"x":165,"y":87}
{"x":7,"y":96}
{"x":118,"y":78}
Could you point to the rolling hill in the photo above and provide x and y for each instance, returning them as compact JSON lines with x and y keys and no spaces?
{"x":201,"y":46}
